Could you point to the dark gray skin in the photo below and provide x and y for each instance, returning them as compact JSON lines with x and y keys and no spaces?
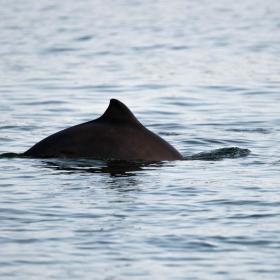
{"x":117,"y":134}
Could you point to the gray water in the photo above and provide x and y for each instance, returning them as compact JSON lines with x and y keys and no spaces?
{"x":202,"y":74}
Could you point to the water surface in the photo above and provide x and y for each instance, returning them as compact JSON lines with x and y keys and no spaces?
{"x":202,"y":75}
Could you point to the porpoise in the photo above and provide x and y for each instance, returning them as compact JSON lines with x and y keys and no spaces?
{"x":116,"y":135}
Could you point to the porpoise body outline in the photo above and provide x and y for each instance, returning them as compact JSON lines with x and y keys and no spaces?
{"x":116,"y":135}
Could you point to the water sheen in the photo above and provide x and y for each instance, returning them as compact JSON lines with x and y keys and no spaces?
{"x":204,"y":75}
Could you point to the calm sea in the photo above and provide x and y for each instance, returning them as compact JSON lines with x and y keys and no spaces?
{"x":202,"y":74}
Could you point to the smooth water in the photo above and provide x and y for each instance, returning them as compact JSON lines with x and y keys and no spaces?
{"x":202,"y":74}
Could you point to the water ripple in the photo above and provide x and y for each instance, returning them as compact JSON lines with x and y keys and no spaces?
{"x":204,"y":76}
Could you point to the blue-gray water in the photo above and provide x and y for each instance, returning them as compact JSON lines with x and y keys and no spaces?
{"x":202,"y":74}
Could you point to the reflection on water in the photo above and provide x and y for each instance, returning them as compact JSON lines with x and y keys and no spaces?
{"x":113,"y":167}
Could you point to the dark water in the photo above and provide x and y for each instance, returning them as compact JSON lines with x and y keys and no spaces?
{"x":204,"y":75}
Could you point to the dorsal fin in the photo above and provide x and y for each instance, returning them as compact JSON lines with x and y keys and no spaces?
{"x":119,"y":113}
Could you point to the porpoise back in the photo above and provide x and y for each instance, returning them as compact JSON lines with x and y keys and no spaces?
{"x":117,"y":134}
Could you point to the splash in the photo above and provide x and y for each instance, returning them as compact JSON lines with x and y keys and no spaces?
{"x":219,"y":154}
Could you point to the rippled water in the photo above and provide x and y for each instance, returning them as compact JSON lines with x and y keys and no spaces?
{"x":204,"y":75}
